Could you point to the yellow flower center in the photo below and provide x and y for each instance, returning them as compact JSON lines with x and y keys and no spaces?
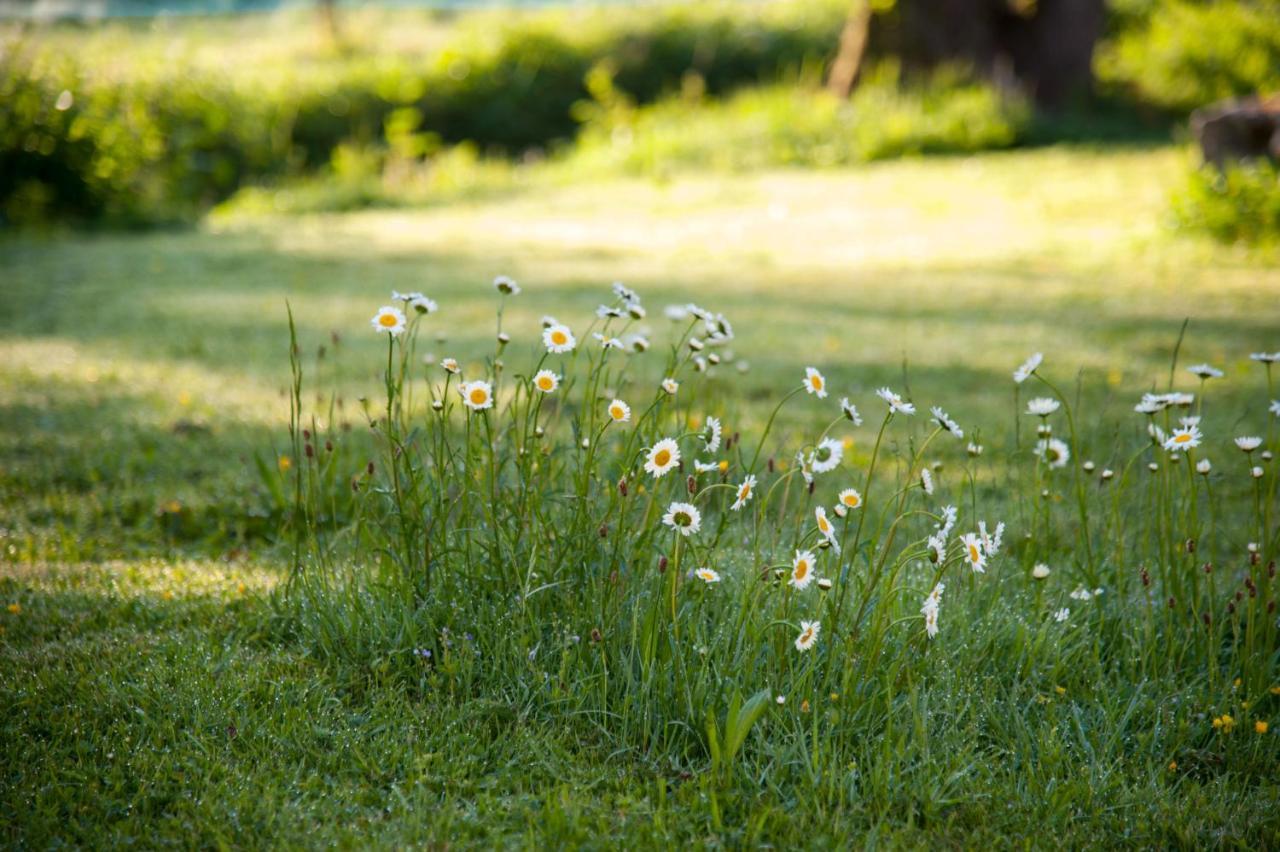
{"x":558,"y":338}
{"x":617,"y":412}
{"x":545,"y":383}
{"x":802,"y":569}
{"x":744,"y":492}
{"x":806,"y":636}
{"x":817,"y":381}
{"x":1182,"y":439}
{"x":387,"y":320}
{"x":851,"y":500}
{"x":662,"y":457}
{"x":478,"y":396}
{"x":974,"y":555}
{"x":823,"y":524}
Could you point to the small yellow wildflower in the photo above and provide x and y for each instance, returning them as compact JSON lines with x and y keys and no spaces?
{"x":1260,"y":727}
{"x":285,"y":463}
{"x":15,"y":609}
{"x":804,"y":706}
{"x":1061,"y":690}
{"x":1275,"y":690}
{"x":1236,"y":684}
{"x":1173,"y":766}
{"x":724,"y":465}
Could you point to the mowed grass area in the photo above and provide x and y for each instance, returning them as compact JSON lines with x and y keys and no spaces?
{"x":151,"y":693}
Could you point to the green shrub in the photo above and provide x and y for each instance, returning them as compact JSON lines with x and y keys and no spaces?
{"x":1183,"y":54}
{"x":1241,"y":204}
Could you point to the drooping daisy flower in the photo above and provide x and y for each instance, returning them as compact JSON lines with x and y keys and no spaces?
{"x":422,"y":304}
{"x":808,"y":635}
{"x":802,"y":569}
{"x":608,"y":312}
{"x":1183,"y":439}
{"x":926,"y":481}
{"x":1184,"y":400}
{"x":1150,"y":405}
{"x":707,"y":576}
{"x":1042,"y":406}
{"x":937,"y":545}
{"x":663,"y":456}
{"x":711,"y":434}
{"x":634,"y":310}
{"x":850,"y":411}
{"x":1062,"y":615}
{"x":705,"y":467}
{"x":1265,"y":357}
{"x":1248,"y":443}
{"x":388,"y":319}
{"x":1054,"y":452}
{"x":548,"y":321}
{"x":607,"y":342}
{"x":896,"y":403}
{"x":619,"y":411}
{"x":624,"y":292}
{"x":477,"y":395}
{"x":949,"y":514}
{"x":558,"y":339}
{"x":850,"y":498}
{"x":1028,"y":367}
{"x":684,"y":518}
{"x":935,"y":596}
{"x":945,"y":421}
{"x":825,"y":527}
{"x":931,"y":621}
{"x":670,"y":385}
{"x":450,"y":365}
{"x":973,"y":552}
{"x":814,"y":383}
{"x":1040,"y":571}
{"x":1081,"y":594}
{"x":1204,"y":371}
{"x":546,"y":381}
{"x":506,"y":286}
{"x":805,"y":465}
{"x":745,"y":490}
{"x":826,"y":457}
{"x":991,"y":542}
{"x":973,"y":449}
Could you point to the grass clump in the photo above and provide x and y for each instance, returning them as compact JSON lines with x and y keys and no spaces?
{"x":1238,"y":204}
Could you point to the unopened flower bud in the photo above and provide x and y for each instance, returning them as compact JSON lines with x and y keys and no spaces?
{"x":662,"y":564}
{"x":604,"y":531}
{"x":692,"y":484}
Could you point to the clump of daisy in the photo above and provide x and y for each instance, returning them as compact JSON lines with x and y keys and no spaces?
{"x":1028,"y":367}
{"x":897,"y":405}
{"x":546,"y":381}
{"x":558,"y":338}
{"x":1042,"y":406}
{"x":477,"y":395}
{"x":1055,"y":453}
{"x":707,"y":575}
{"x":388,"y":319}
{"x":662,"y":457}
{"x":619,"y":411}
{"x":814,"y":383}
{"x":743,"y":495}
{"x":802,"y":569}
{"x":945,"y":421}
{"x":1183,"y":439}
{"x":506,"y":286}
{"x":684,"y":518}
{"x":808,"y":635}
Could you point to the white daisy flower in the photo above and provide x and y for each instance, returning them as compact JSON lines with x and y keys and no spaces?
{"x":973,"y":449}
{"x":1150,"y":405}
{"x":949,"y":515}
{"x":849,"y":498}
{"x":701,"y":313}
{"x":506,"y":286}
{"x":696,"y":345}
{"x":548,"y":321}
{"x":397,"y":296}
{"x":624,"y":292}
{"x":1203,"y":467}
{"x":607,"y":342}
{"x":1081,"y":594}
{"x":745,"y":489}
{"x":1028,"y":367}
{"x":808,"y":635}
{"x":608,"y":312}
{"x":946,"y":422}
{"x":707,"y":576}
{"x":1204,"y":371}
{"x":705,"y":467}
{"x":825,"y":527}
{"x":931,"y":622}
{"x":546,"y":381}
{"x":1256,"y":472}
{"x":802,"y":569}
{"x":1183,"y":399}
{"x":670,"y":385}
{"x":711,"y":434}
{"x":937,"y":545}
{"x":477,"y":395}
{"x":1054,"y":452}
{"x":814,"y":383}
{"x":1265,"y":357}
{"x":663,"y":456}
{"x":850,"y":411}
{"x":1248,"y":443}
{"x":450,"y":365}
{"x":1040,"y":571}
{"x":558,"y":339}
{"x":1183,"y":439}
{"x":1042,"y":406}
{"x":991,"y":543}
{"x":926,"y":481}
{"x":388,"y":319}
{"x":1275,"y":407}
{"x":973,"y":552}
{"x":619,"y":411}
{"x":805,"y":464}
{"x":422,"y":304}
{"x":676,"y":313}
{"x":896,"y":403}
{"x":684,"y":518}
{"x":635,"y":310}
{"x":826,"y":457}
{"x":1062,"y":615}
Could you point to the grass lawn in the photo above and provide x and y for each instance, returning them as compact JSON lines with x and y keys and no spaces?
{"x":152,"y":693}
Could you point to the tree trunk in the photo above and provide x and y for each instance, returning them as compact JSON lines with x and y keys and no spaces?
{"x":853,"y":46}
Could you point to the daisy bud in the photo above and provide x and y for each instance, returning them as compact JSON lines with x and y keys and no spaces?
{"x":1191,"y":545}
{"x":1203,"y":467}
{"x":662,"y":564}
{"x":771,"y":464}
{"x":1172,"y":603}
{"x":328,"y":446}
{"x":437,"y":405}
{"x":1088,"y":467}
{"x":1256,"y":473}
{"x":713,"y":359}
{"x":622,"y":486}
{"x":586,"y":442}
{"x":1107,"y":474}
{"x":1231,"y":607}
{"x":1146,"y":578}
{"x":497,"y":366}
{"x":1045,"y":493}
{"x":538,"y":432}
{"x":504,"y":338}
{"x":306,"y":434}
{"x":1208,"y":567}
{"x":695,"y":344}
{"x":692,"y":484}
{"x":811,"y":485}
{"x":1266,"y":455}
{"x":604,"y":531}
{"x":1045,"y":430}
{"x":370,"y":468}
{"x":595,"y":634}
{"x":1153,"y":467}
{"x":309,"y":450}
{"x":1207,"y":620}
{"x":825,"y":584}
{"x":1252,"y":547}
{"x":1271,"y":607}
